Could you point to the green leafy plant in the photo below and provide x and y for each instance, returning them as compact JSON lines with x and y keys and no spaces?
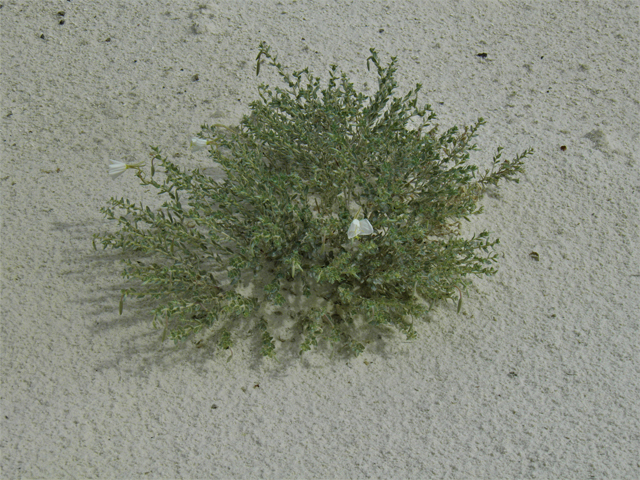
{"x":343,"y":207}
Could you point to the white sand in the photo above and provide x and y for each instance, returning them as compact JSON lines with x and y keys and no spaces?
{"x":538,"y":378}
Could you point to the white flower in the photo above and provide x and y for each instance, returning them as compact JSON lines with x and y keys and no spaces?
{"x":359,"y":227}
{"x":117,"y":168}
{"x":196,"y":144}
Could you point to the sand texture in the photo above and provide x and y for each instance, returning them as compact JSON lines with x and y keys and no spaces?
{"x":537,"y":377}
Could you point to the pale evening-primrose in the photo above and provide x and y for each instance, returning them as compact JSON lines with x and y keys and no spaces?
{"x":221,"y":252}
{"x":359,"y":227}
{"x":117,"y":168}
{"x":197,"y":144}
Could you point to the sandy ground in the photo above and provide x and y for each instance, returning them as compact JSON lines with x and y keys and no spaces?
{"x":539,"y":377}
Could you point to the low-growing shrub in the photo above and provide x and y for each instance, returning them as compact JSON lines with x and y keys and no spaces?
{"x":343,"y":207}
